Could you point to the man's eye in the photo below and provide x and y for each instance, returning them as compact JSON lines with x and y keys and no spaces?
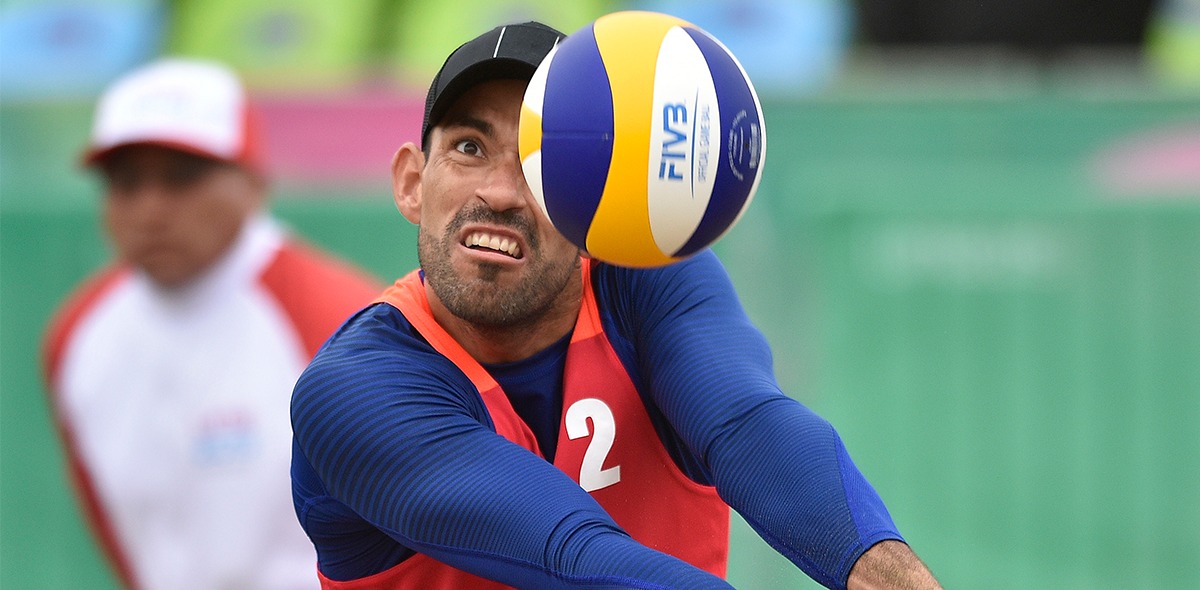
{"x":122,"y":180}
{"x":185,"y":174}
{"x":469,"y":147}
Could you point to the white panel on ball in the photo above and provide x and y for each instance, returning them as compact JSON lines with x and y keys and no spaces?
{"x":680,"y":149}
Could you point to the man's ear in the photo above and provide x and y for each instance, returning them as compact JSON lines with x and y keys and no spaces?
{"x":407,"y":166}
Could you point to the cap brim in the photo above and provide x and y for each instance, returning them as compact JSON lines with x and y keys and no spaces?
{"x":92,"y":156}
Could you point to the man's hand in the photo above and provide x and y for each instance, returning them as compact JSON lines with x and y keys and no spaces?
{"x":890,"y":565}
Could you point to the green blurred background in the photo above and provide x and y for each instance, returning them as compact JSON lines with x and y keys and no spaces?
{"x":981,"y":263}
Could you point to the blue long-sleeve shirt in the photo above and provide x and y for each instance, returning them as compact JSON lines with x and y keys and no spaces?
{"x":395,"y":452}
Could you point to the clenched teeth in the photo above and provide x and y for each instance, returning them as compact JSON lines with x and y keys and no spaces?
{"x":499,"y":244}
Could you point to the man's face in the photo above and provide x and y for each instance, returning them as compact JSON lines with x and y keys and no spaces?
{"x":173,"y":214}
{"x":488,"y":251}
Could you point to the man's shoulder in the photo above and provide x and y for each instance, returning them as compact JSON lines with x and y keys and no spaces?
{"x":620,"y":287}
{"x":377,"y":348}
{"x":84,"y":300}
{"x":317,"y":290}
{"x":300,"y":264}
{"x":376,"y":332}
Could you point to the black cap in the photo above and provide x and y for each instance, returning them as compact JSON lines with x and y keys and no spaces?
{"x":505,"y":52}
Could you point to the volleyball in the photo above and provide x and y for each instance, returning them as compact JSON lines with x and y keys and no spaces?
{"x":642,"y":139}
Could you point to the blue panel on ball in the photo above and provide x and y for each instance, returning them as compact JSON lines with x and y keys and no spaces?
{"x":741,"y":150}
{"x":577,"y":130}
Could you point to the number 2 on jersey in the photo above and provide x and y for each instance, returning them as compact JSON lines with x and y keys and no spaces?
{"x":592,"y":474}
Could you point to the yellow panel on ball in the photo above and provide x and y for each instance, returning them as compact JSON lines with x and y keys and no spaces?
{"x":629,"y":43}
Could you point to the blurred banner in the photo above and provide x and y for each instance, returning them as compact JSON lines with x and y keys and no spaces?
{"x":54,"y":49}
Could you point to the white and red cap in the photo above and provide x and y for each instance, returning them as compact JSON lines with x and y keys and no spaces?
{"x":190,"y":105}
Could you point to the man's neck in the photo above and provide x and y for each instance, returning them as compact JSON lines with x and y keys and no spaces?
{"x":506,"y":344}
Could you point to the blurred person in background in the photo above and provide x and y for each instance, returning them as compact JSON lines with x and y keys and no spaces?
{"x":171,"y":368}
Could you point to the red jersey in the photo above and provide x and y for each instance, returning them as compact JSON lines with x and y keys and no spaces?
{"x":606,"y":443}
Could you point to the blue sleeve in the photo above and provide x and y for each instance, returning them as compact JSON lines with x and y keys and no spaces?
{"x":709,"y":371}
{"x":389,"y":432}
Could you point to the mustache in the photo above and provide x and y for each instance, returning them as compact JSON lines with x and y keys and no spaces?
{"x":511,"y":219}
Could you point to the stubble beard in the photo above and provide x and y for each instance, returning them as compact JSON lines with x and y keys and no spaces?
{"x":478,"y":297}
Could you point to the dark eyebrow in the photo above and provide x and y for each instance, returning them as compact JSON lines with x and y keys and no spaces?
{"x":483,"y":127}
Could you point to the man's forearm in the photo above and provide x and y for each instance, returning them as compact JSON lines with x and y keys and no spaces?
{"x":891,"y":565}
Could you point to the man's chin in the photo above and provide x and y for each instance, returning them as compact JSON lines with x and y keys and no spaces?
{"x":166,"y":272}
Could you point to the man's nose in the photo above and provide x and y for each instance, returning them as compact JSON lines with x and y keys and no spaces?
{"x":505,"y":187}
{"x":147,"y":200}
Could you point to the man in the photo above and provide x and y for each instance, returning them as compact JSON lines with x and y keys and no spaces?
{"x":514,"y":414}
{"x":171,"y":369}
